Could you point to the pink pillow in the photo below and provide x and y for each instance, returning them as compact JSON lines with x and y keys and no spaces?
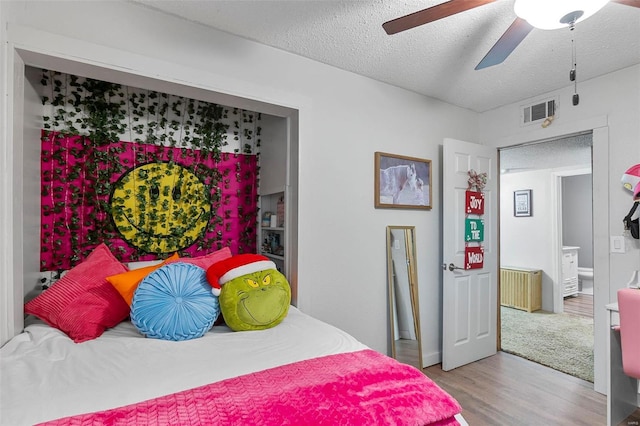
{"x":207,"y":260}
{"x":82,"y":303}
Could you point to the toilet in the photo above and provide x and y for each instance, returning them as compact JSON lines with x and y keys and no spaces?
{"x":585,"y":280}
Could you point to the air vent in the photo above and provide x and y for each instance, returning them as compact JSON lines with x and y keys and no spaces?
{"x":538,"y":112}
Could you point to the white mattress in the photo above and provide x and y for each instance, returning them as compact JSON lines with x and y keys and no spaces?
{"x":45,"y":376}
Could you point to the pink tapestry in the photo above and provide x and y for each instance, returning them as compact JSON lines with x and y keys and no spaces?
{"x":144,"y":201}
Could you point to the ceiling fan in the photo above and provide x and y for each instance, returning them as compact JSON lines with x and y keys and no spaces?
{"x":547,"y":14}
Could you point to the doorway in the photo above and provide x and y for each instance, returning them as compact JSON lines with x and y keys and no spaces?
{"x":548,"y":238}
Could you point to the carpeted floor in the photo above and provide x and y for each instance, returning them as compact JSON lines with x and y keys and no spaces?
{"x":561,"y":341}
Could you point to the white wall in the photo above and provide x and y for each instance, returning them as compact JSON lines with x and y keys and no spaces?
{"x":577,"y":217}
{"x":525,"y":240}
{"x":31,"y":179}
{"x":611,"y":106}
{"x":343,"y":120}
{"x":273,"y":154}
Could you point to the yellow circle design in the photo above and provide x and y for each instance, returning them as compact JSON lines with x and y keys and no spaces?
{"x":160,"y":207}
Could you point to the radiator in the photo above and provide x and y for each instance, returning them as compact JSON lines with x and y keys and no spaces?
{"x":521,"y":288}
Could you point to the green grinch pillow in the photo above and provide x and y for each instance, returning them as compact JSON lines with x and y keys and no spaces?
{"x":253,"y":295}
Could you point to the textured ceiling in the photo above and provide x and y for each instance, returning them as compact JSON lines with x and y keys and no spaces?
{"x":436,"y":59}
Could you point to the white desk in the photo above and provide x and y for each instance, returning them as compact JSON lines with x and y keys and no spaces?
{"x":622,"y":390}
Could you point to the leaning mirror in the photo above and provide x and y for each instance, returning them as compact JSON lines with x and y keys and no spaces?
{"x":404,"y":315}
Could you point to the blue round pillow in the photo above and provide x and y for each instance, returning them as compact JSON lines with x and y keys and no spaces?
{"x":174,"y":302}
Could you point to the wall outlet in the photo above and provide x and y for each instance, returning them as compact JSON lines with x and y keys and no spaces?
{"x":617,"y":244}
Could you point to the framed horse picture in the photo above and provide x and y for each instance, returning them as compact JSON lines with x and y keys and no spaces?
{"x":402,"y":182}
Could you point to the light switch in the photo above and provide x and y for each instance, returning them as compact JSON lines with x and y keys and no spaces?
{"x":617,"y":244}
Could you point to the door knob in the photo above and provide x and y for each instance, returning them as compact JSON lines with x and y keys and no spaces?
{"x":454,"y":267}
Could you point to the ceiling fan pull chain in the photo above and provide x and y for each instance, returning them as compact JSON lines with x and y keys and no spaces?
{"x":573,"y":73}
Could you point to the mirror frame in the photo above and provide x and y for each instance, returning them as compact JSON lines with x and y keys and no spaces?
{"x":410,"y":249}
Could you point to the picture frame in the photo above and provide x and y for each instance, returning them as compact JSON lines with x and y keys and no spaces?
{"x":522,"y":203}
{"x":402,"y":182}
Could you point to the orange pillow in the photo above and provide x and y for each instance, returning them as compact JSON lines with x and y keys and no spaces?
{"x":127,"y":282}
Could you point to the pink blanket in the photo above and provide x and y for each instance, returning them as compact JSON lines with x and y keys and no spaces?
{"x":357,"y":388}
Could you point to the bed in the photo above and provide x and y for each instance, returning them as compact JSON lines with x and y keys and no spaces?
{"x":92,"y":355}
{"x":47,"y":377}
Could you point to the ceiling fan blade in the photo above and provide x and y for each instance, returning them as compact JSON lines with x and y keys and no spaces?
{"x":632,"y":3}
{"x":431,"y":14}
{"x":506,"y":44}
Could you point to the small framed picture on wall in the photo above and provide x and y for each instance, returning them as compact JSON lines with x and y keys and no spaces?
{"x":522,"y":203}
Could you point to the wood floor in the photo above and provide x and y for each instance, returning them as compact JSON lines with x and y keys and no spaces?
{"x":507,"y":390}
{"x":580,"y":304}
{"x":407,"y":352}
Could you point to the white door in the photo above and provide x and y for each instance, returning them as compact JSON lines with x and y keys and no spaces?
{"x":470,"y":296}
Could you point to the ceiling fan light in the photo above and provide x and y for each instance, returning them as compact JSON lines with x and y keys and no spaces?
{"x":549,"y":14}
